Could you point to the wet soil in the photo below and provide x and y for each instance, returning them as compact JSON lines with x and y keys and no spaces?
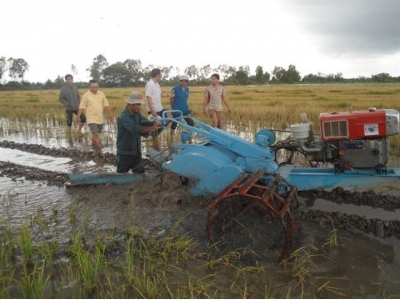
{"x":145,"y":200}
{"x":164,"y":205}
{"x":19,"y":172}
{"x":369,"y":197}
{"x":75,"y":154}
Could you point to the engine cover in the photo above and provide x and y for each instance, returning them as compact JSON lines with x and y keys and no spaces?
{"x":371,"y":123}
{"x":365,"y":153}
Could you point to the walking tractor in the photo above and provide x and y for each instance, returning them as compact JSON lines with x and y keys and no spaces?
{"x":352,"y":149}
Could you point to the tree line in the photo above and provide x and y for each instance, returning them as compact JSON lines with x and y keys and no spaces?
{"x":132,"y":73}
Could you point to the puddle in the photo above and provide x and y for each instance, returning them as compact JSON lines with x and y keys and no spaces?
{"x":54,"y":164}
{"x":48,"y":163}
{"x":351,"y":209}
{"x":23,"y":202}
{"x":51,"y":134}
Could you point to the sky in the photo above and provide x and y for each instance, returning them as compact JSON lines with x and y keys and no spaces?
{"x":353,"y":37}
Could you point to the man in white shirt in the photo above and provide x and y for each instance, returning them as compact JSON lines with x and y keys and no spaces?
{"x":154,"y":94}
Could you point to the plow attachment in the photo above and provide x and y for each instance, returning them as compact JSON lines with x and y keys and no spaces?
{"x":115,"y":178}
{"x":247,"y":193}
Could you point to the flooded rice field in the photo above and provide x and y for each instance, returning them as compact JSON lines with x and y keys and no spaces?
{"x":347,"y":244}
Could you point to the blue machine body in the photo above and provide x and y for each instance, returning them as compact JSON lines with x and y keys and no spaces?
{"x":215,"y":158}
{"x":89,"y":179}
{"x":221,"y":157}
{"x":317,"y":178}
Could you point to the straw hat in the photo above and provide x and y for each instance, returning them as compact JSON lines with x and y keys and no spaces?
{"x":134,"y":98}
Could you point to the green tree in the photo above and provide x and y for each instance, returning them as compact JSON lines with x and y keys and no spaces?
{"x":339,"y":76}
{"x":192,"y":72}
{"x":147,"y":71}
{"x":267,"y":76}
{"x":96,"y":68}
{"x":311,"y":78}
{"x":259,"y":74}
{"x":381,"y":77}
{"x":3,"y":66}
{"x":205,"y":72}
{"x":166,"y":72}
{"x":135,"y":66}
{"x":117,"y":73}
{"x":278,"y":73}
{"x":222,"y":70}
{"x":242,"y":75}
{"x":245,"y":69}
{"x":17,"y":68}
{"x":59,"y":82}
{"x":74,"y":70}
{"x":231,"y":71}
{"x":291,"y":75}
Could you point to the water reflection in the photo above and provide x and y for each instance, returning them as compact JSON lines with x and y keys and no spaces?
{"x":60,"y":164}
{"x":23,"y":201}
{"x":351,"y":209}
{"x":248,"y":130}
{"x":54,"y":164}
{"x":50,"y":133}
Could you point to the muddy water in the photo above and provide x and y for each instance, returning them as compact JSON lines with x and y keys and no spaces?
{"x":351,"y":209}
{"x":55,"y":164}
{"x":362,"y":266}
{"x":26,"y":202}
{"x":51,"y":134}
{"x":33,"y":160}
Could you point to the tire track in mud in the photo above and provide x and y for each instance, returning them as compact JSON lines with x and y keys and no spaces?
{"x":352,"y":223}
{"x":369,"y":198}
{"x":74,"y":154}
{"x":15,"y":172}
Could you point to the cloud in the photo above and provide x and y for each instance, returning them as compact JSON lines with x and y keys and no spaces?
{"x":354,"y":27}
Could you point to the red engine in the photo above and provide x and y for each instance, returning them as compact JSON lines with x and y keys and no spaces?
{"x":350,"y":139}
{"x":371,"y":123}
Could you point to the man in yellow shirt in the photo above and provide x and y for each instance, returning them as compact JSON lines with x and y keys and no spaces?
{"x":94,"y":102}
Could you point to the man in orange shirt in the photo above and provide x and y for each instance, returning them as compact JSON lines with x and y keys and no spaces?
{"x":94,"y":102}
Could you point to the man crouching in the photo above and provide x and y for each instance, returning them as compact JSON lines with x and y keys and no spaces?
{"x":131,"y":127}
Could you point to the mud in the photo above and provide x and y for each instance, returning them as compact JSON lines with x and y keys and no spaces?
{"x":369,"y":198}
{"x":164,"y":205}
{"x":353,"y":223}
{"x":151,"y":201}
{"x":167,"y":194}
{"x":21,"y":173}
{"x":75,"y":154}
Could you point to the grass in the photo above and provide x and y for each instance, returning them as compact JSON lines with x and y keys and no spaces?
{"x":25,"y":244}
{"x":41,"y":106}
{"x":34,"y":281}
{"x":333,"y":240}
{"x":88,"y":263}
{"x":264,"y":107}
{"x":130,"y":264}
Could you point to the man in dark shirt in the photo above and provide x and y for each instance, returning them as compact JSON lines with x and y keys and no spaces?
{"x":131,"y":126}
{"x":70,"y":98}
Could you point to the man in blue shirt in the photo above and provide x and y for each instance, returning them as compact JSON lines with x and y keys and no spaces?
{"x":180,"y":101}
{"x":131,"y":127}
